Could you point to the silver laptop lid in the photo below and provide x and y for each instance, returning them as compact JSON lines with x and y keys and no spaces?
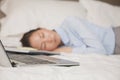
{"x":4,"y":59}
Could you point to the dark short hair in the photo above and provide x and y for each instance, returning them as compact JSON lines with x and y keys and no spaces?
{"x":25,"y":39}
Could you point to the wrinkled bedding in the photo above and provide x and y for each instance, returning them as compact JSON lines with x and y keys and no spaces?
{"x":92,"y":67}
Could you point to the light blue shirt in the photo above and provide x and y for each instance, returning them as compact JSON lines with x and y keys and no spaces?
{"x":85,"y":37}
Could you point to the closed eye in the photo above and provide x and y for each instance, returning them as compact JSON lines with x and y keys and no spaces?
{"x":42,"y":45}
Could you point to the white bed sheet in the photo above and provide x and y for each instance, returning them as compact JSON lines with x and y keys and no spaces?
{"x":92,"y":67}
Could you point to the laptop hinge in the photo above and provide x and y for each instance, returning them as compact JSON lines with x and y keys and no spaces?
{"x":14,"y":64}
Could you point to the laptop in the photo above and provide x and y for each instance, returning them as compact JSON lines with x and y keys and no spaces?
{"x":28,"y":50}
{"x":15,"y":60}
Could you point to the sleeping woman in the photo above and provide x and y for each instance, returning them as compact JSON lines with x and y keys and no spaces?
{"x":74,"y":35}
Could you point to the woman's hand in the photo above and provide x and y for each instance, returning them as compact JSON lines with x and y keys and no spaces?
{"x":63,"y":49}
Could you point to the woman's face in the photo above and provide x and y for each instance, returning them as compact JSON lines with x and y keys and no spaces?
{"x":44,"y":39}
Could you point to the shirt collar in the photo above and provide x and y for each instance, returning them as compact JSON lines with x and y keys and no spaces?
{"x":64,"y":37}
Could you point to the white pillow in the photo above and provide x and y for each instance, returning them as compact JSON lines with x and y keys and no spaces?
{"x":101,"y":13}
{"x":23,"y":15}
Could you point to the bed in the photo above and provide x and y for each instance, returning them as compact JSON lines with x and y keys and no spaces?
{"x":24,"y":15}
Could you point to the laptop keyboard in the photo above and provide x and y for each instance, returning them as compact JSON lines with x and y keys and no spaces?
{"x":27,"y":59}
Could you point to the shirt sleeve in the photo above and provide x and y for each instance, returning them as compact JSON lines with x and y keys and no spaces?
{"x":91,"y":43}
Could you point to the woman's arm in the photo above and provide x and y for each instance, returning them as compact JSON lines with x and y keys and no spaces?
{"x":63,"y":49}
{"x":91,"y":42}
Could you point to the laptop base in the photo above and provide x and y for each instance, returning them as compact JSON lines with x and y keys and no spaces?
{"x":38,"y":60}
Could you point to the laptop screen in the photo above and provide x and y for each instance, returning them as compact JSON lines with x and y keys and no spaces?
{"x":4,"y":59}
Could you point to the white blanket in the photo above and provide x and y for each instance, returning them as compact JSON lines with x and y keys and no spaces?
{"x":92,"y":67}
